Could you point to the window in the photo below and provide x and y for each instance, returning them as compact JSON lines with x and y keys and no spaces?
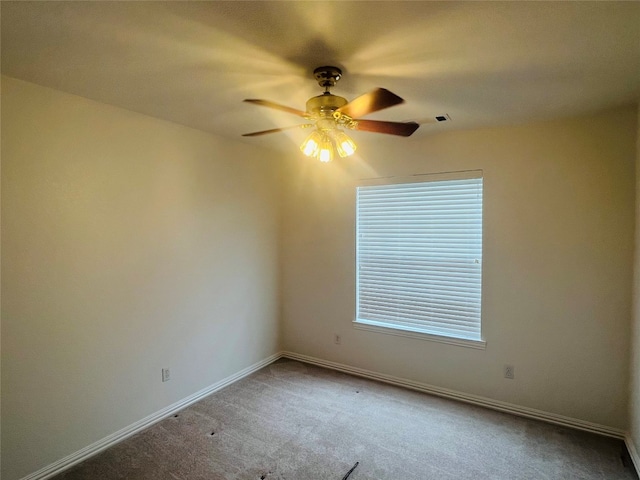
{"x":419,"y":257}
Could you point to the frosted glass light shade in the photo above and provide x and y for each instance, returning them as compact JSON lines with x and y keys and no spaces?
{"x":311,"y":145}
{"x":326,"y":149}
{"x":344,"y":144}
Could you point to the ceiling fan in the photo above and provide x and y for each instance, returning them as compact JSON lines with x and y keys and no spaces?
{"x":330,"y":114}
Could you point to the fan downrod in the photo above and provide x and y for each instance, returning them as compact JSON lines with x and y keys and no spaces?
{"x":327,"y":77}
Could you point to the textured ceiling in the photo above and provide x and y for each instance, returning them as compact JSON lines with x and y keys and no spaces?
{"x":483,"y":63}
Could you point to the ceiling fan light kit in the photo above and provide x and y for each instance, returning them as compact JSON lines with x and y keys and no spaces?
{"x":331,"y":113}
{"x":321,"y":143}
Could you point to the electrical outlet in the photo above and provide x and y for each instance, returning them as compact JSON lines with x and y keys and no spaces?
{"x":509,"y":372}
{"x":166,"y":375}
{"x":336,"y":339}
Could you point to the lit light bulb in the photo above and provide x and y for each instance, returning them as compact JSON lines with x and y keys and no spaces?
{"x":344,"y":144}
{"x":325,"y":154}
{"x":311,"y":145}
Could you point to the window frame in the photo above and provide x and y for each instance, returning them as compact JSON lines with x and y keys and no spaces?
{"x":405,"y":331}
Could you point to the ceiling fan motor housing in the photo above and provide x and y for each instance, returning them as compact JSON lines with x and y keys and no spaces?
{"x":324,"y":105}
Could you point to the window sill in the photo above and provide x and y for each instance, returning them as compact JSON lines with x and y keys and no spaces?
{"x":388,"y":330}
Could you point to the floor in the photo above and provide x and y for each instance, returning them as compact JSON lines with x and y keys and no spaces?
{"x":295,"y":421}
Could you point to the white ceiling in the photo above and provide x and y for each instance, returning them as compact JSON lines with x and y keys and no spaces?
{"x":484,"y":63}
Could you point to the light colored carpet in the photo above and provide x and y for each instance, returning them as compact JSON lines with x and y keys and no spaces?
{"x":300,"y":422}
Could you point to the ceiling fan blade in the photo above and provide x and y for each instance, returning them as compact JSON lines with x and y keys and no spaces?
{"x":373,"y":101}
{"x":403,"y":129}
{"x":275,"y":130}
{"x":277,"y":106}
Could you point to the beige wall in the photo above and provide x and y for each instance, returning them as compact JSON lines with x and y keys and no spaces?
{"x":129,"y":244}
{"x":557,"y":270}
{"x":634,"y":403}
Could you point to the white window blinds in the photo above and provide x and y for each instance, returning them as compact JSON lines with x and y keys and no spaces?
{"x":419,"y":256}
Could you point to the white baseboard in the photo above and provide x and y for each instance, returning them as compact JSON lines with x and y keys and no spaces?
{"x":110,"y":440}
{"x":468,"y":398}
{"x":633,"y":453}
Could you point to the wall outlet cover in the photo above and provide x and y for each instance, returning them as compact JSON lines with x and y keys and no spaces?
{"x":509,"y":372}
